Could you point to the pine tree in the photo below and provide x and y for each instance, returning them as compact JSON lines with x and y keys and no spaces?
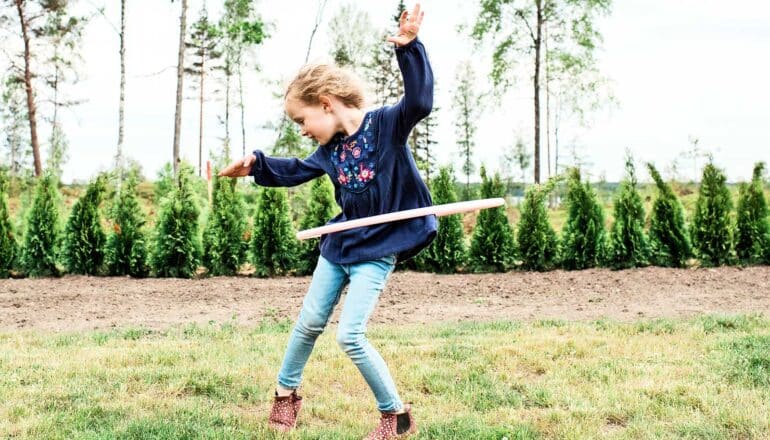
{"x":224,"y":246}
{"x":14,"y":127}
{"x":351,"y":36}
{"x":126,"y":249}
{"x":204,"y":44}
{"x":63,"y":35}
{"x":177,"y":246}
{"x":538,"y":243}
{"x":9,"y":250}
{"x":273,"y":244}
{"x":427,"y":141}
{"x":711,"y":231}
{"x":447,"y":252}
{"x":492,"y":245}
{"x":242,"y":29}
{"x":584,"y":235}
{"x":752,"y":232}
{"x":382,"y":70}
{"x":42,"y":239}
{"x":290,"y":142}
{"x":669,"y":240}
{"x":467,"y":103}
{"x":319,"y":210}
{"x":83,"y":251}
{"x":628,"y":245}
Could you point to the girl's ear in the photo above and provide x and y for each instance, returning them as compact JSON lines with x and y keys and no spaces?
{"x":326,"y":103}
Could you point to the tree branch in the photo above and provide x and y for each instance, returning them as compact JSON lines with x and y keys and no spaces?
{"x":318,"y":17}
{"x":100,"y":11}
{"x":154,"y":73}
{"x":520,"y":14}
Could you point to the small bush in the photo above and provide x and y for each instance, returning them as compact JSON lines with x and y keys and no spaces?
{"x":273,"y":245}
{"x":583,"y":236}
{"x":492,"y":246}
{"x":538,"y":243}
{"x":9,"y":249}
{"x":628,"y":244}
{"x":224,"y":245}
{"x":447,"y":252}
{"x":84,"y":238}
{"x":712,"y":236}
{"x":177,"y":246}
{"x":669,"y":240}
{"x":126,"y":250}
{"x":320,"y":207}
{"x":752,"y":231}
{"x":42,"y":240}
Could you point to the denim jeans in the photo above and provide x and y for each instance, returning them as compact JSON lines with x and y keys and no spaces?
{"x":366,"y":280}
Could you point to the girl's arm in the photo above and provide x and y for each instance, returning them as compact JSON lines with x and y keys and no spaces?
{"x":275,"y":171}
{"x":417,"y":101}
{"x":279,"y":171}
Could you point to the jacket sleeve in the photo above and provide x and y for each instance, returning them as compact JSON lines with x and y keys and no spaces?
{"x":279,"y":171}
{"x":417,"y":101}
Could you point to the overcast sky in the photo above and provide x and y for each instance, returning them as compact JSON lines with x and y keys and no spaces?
{"x":683,"y":69}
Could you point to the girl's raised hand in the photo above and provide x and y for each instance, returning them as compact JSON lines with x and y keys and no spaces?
{"x":409,"y":26}
{"x":239,"y":167}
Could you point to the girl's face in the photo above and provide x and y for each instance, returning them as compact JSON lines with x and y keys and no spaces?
{"x":315,"y":121}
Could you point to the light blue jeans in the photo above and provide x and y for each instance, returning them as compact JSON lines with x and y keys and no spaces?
{"x":366,"y":280}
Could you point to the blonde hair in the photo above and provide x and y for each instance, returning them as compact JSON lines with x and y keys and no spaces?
{"x":314,"y":80}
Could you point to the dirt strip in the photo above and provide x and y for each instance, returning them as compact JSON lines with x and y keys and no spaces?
{"x":84,"y":303}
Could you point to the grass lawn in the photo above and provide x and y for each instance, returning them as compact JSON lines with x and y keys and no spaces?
{"x":707,"y":377}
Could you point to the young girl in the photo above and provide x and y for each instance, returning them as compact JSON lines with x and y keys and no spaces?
{"x":373,"y":171}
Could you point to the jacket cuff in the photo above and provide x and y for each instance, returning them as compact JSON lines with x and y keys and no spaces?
{"x":408,"y":45}
{"x":257,"y":164}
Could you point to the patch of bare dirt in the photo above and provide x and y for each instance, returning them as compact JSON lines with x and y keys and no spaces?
{"x":84,"y":303}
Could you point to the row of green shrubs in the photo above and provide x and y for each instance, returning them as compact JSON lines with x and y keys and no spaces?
{"x":665,"y":238}
{"x":176,"y":246}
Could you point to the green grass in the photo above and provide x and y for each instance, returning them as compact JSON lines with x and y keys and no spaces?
{"x":704,"y":378}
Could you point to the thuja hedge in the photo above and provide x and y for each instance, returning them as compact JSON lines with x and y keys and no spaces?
{"x":181,"y":236}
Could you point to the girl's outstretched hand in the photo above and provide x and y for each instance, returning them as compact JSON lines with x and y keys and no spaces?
{"x":409,"y":26}
{"x":239,"y":167}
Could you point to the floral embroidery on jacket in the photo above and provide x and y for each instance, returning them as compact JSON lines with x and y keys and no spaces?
{"x":355,"y":159}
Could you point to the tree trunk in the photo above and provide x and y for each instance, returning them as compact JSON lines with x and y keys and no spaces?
{"x":179,"y":86}
{"x":538,"y":42}
{"x":31,"y":108}
{"x":556,"y":145}
{"x":122,"y":101}
{"x":228,"y":79}
{"x":200,"y":117}
{"x":243,"y":109}
{"x":556,"y":122}
{"x":466,"y":123}
{"x":547,"y":100}
{"x":55,"y":86}
{"x":53,"y":158}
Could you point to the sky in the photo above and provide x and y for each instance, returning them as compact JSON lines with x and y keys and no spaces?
{"x":679,"y":71}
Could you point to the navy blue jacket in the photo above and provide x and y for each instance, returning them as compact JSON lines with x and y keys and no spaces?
{"x":373,"y":172}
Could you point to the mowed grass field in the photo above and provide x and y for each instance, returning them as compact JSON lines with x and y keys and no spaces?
{"x":702,"y":378}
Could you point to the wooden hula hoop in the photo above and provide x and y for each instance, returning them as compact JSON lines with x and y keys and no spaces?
{"x":437,"y":210}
